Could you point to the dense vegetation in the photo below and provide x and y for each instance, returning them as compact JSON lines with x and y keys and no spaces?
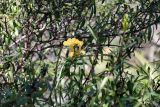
{"x":77,"y":53}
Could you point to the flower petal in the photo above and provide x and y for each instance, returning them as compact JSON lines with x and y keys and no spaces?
{"x":71,"y":54}
{"x":80,"y":43}
{"x":65,"y":43}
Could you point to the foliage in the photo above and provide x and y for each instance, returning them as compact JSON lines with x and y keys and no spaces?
{"x":35,"y":69}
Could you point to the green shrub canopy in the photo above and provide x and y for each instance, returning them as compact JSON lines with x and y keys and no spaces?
{"x":36,"y":67}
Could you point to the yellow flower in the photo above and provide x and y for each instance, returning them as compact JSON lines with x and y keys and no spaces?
{"x":74,"y":45}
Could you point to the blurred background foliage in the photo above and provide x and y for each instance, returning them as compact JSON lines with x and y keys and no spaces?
{"x":35,"y":69}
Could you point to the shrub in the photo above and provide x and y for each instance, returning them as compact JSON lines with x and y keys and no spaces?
{"x":38,"y":70}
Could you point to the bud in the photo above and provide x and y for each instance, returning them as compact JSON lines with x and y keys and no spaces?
{"x":125,"y":22}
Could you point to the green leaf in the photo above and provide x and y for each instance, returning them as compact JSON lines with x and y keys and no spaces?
{"x":149,"y":33}
{"x":21,"y":100}
{"x":93,"y":32}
